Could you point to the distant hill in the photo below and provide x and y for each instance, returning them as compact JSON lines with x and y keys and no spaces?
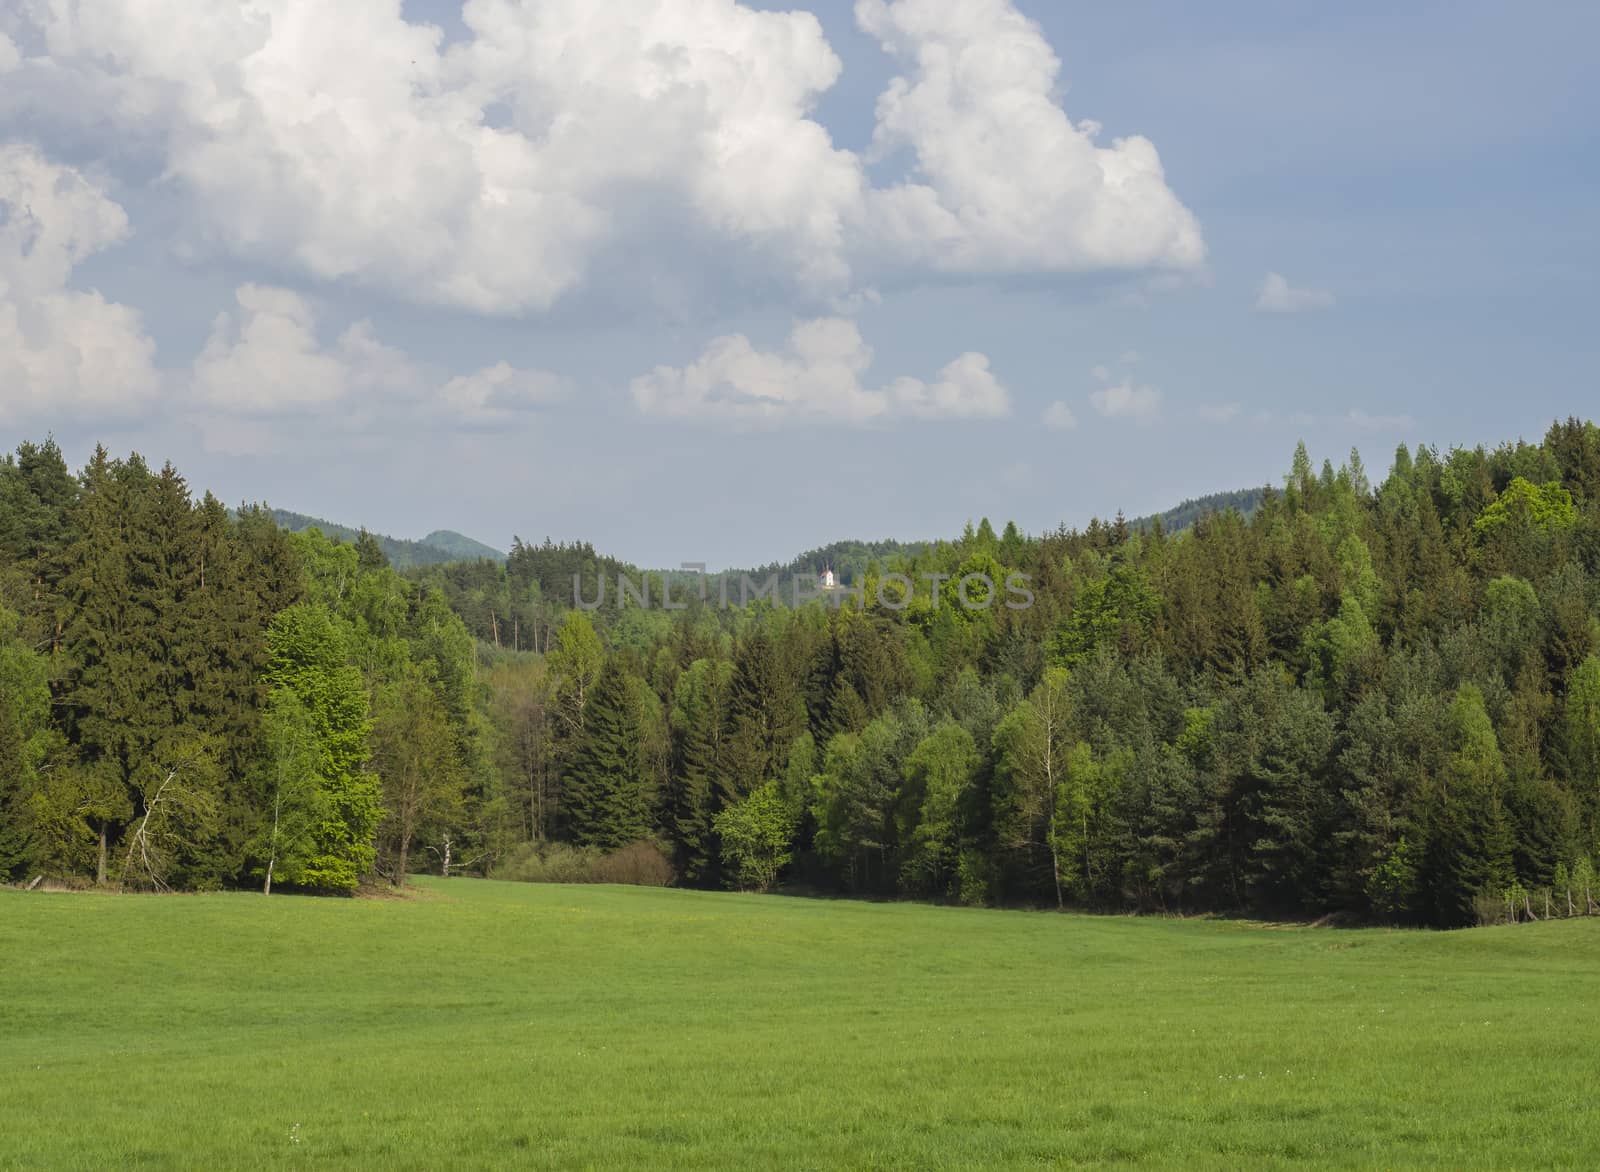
{"x":442,"y":545}
{"x":849,"y":559}
{"x":1179,"y":517}
{"x":460,"y":546}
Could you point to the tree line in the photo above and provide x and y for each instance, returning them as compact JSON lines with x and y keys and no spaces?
{"x":191,"y":698}
{"x":1375,"y":700}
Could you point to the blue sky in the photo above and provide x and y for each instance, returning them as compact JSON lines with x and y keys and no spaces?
{"x":1420,"y":177}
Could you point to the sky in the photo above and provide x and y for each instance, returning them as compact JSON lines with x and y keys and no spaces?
{"x":707,"y":281}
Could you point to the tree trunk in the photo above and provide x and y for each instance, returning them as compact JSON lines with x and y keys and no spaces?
{"x":405,"y":852}
{"x":1055,"y":871}
{"x":100,"y":866}
{"x":1088,"y":868}
{"x":272,"y":854}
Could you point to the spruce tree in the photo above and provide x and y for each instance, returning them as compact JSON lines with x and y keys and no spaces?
{"x":607,"y":793}
{"x":700,"y":728}
{"x":766,"y":713}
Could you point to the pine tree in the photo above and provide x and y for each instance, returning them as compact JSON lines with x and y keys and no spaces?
{"x":114,"y":701}
{"x":608,"y":800}
{"x":1470,"y":846}
{"x":700,"y":729}
{"x":766,"y":713}
{"x":37,"y":498}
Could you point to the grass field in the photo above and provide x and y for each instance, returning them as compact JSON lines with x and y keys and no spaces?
{"x":485,"y":1024}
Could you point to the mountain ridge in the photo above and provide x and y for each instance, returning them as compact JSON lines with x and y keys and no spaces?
{"x":846,"y":556}
{"x":437,"y":548}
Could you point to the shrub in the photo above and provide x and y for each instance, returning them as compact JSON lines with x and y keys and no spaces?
{"x":1489,"y":907}
{"x":642,"y":864}
{"x":975,"y":878}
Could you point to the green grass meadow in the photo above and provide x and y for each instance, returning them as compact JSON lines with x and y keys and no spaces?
{"x":486,"y":1024}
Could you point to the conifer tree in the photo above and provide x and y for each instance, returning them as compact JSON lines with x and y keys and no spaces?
{"x":700,"y":729}
{"x":766,"y":713}
{"x":608,"y":801}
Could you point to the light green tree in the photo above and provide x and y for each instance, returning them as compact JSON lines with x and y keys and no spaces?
{"x":1031,"y":746}
{"x":575,"y":663}
{"x":1583,"y":736}
{"x":414,"y":753}
{"x":308,"y":657}
{"x":290,"y":796}
{"x":938,"y":774}
{"x":27,"y":739}
{"x":756,"y":835}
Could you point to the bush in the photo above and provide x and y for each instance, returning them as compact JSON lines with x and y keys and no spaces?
{"x":975,"y":878}
{"x":642,"y":864}
{"x":1489,"y":907}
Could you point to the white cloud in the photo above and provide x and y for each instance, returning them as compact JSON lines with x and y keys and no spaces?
{"x":62,"y":350}
{"x":1124,"y":399}
{"x":817,"y":377}
{"x":502,"y":392}
{"x":1005,"y":180}
{"x":567,"y":140}
{"x":1219,"y":412}
{"x":1278,"y":296}
{"x":1059,"y":417}
{"x":267,"y":361}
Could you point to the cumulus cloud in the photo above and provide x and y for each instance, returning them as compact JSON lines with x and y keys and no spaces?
{"x":61,"y":348}
{"x":502,"y":392}
{"x":266,"y":360}
{"x":1278,"y":296}
{"x":1004,"y":179}
{"x":1059,"y":417}
{"x":557,"y":140}
{"x":1124,"y":400}
{"x":818,"y":376}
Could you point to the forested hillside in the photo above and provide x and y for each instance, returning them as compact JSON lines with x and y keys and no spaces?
{"x":1244,"y":501}
{"x":1377,"y":700}
{"x":442,"y":545}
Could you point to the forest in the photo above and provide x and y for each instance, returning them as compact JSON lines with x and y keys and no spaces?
{"x":1376,"y":701}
